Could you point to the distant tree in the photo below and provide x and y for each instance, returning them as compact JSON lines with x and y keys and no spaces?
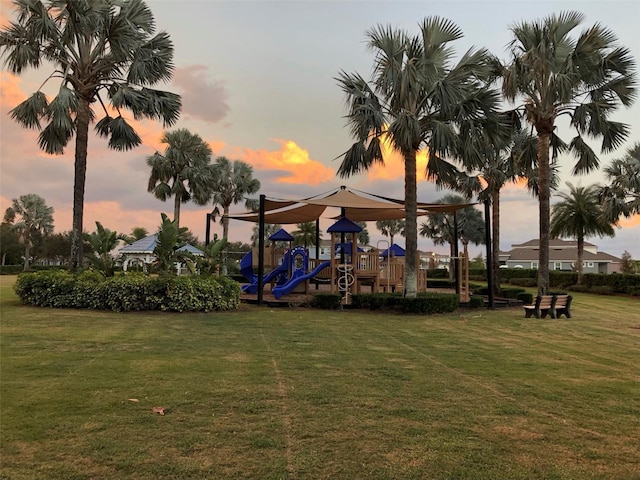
{"x":103,"y":241}
{"x":579,"y":215}
{"x":57,"y":246}
{"x":100,"y":51}
{"x":269,"y":229}
{"x":477,"y":262}
{"x":363,"y":236}
{"x":585,"y":77}
{"x":170,"y":241}
{"x":137,"y":233}
{"x":233,"y":184}
{"x":390,"y":228}
{"x":621,"y":197}
{"x":184,"y":172}
{"x":29,"y":216}
{"x":305,"y":234}
{"x":10,"y":248}
{"x":626,"y":263}
{"x":439,"y":227}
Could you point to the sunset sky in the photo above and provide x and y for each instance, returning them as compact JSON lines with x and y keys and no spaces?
{"x":257,"y":81}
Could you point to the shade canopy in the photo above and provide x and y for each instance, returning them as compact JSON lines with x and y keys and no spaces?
{"x":344,"y":225}
{"x":281,"y":236}
{"x":358,"y":206}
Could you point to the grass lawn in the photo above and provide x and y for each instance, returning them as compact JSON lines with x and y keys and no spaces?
{"x":265,"y":393}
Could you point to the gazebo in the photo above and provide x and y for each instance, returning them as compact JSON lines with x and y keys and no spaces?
{"x":141,"y":253}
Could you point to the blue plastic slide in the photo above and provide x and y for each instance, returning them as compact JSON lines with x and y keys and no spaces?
{"x":283,"y":268}
{"x":246,"y":268}
{"x":288,"y":287}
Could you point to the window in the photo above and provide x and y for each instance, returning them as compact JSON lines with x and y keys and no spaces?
{"x":534,"y":265}
{"x":557,"y":265}
{"x":590,"y":264}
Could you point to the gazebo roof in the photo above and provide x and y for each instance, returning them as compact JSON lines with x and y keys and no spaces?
{"x":148,"y":244}
{"x":281,"y":236}
{"x":344,"y":225}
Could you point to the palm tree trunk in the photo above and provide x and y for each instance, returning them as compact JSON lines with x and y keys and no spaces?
{"x":580,"y":255}
{"x":543,"y":195}
{"x":411,"y":227}
{"x":495,"y":232}
{"x":80,"y":167}
{"x":176,"y":210}
{"x":225,"y":234}
{"x":26,"y":267}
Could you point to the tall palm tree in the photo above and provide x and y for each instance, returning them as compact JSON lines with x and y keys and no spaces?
{"x":183,"y":172}
{"x":578,"y":215}
{"x":440,"y":227}
{"x":232,"y":184}
{"x":305,"y":234}
{"x":101,"y":51}
{"x":416,"y":99}
{"x":621,"y":197}
{"x":390,"y":228}
{"x":586,"y":78}
{"x":29,"y":216}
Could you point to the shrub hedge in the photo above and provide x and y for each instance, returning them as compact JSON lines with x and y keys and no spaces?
{"x":327,"y":301}
{"x":124,"y":293}
{"x":424,"y":303}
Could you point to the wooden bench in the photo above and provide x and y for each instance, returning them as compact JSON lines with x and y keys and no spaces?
{"x":540,"y":308}
{"x":561,"y":305}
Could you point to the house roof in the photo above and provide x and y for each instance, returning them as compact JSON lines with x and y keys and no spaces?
{"x":556,"y":255}
{"x":148,"y":245}
{"x":554,"y":242}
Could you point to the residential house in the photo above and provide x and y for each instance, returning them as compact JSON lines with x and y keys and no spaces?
{"x":563,"y":255}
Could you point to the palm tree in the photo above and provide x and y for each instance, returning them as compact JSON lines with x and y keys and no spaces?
{"x":439,"y":227}
{"x":168,"y":251}
{"x":622,"y":196}
{"x":503,"y":163}
{"x":579,"y":215}
{"x":390,"y":228}
{"x":416,"y":100}
{"x":585,"y":78}
{"x":137,"y":233}
{"x":29,"y":217}
{"x":269,"y":229}
{"x":233,"y":182}
{"x":363,"y":235}
{"x":101,"y":51}
{"x":183,"y":172}
{"x":305,"y":234}
{"x":103,"y":241}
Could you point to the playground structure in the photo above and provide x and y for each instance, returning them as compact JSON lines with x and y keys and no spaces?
{"x":348,"y":271}
{"x":352,"y":269}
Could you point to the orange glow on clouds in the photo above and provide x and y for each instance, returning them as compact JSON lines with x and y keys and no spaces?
{"x":292,"y":159}
{"x":10,"y":92}
{"x":393,"y":168}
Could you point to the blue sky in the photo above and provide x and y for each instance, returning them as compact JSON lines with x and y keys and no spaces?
{"x":258,"y":83}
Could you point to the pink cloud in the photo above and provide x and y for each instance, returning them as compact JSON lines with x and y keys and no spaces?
{"x":202,"y":98}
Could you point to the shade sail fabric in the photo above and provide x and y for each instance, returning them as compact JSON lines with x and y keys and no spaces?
{"x":359,"y":206}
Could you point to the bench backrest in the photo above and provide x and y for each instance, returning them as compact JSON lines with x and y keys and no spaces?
{"x":544,"y":301}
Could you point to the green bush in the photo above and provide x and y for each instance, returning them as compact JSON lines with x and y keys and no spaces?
{"x":602,"y":290}
{"x":524,"y":281}
{"x":437,"y":273}
{"x":476,"y":301}
{"x":511,"y":292}
{"x":327,"y":301}
{"x":376,"y":301}
{"x":11,"y":269}
{"x":123,"y":293}
{"x":429,"y":303}
{"x":578,"y":288}
{"x":437,"y":283}
{"x":525,"y":297}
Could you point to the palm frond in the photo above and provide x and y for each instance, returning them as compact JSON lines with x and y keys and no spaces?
{"x":587,"y":159}
{"x":29,"y":112}
{"x":123,"y":136}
